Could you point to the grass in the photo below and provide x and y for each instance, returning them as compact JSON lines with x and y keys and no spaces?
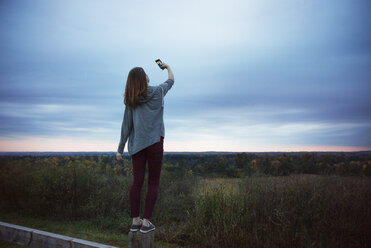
{"x":284,"y":211}
{"x":258,"y":211}
{"x":229,"y":185}
{"x":77,"y":229}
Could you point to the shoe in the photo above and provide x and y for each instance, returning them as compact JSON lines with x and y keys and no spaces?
{"x":134,"y":228}
{"x":146,"y":229}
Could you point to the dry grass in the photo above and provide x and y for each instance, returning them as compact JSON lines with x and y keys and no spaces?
{"x":290,"y":211}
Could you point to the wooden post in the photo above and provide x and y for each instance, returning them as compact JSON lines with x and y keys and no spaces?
{"x":141,"y":240}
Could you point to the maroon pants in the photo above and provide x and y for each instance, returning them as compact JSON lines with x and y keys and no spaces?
{"x":153,"y":154}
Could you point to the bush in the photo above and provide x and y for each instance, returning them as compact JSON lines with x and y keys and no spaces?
{"x":78,"y":189}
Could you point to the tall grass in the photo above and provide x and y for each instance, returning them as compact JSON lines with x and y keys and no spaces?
{"x":290,"y":211}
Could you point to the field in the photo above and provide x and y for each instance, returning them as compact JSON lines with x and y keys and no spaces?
{"x":287,"y":211}
{"x":82,"y":198}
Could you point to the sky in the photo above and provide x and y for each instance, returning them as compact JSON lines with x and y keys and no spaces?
{"x":250,"y":76}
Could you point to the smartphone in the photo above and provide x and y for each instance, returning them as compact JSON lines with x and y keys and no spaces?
{"x":159,"y":63}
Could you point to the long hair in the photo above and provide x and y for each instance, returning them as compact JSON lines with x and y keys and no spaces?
{"x":136,"y":86}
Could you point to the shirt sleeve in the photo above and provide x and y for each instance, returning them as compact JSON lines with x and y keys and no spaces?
{"x":126,"y":127}
{"x":166,"y":86}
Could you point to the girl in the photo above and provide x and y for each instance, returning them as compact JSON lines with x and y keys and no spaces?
{"x":143,"y":125}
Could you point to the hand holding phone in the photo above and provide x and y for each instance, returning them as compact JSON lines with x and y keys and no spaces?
{"x":160,"y":64}
{"x":165,"y":66}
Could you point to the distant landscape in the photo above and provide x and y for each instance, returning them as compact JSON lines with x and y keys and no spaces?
{"x":208,"y":152}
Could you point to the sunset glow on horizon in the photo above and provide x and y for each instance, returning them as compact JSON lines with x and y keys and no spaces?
{"x":31,"y":144}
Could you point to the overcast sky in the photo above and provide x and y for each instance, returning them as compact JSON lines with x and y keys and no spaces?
{"x":287,"y":75}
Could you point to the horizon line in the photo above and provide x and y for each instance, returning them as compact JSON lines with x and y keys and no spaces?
{"x":192,"y":151}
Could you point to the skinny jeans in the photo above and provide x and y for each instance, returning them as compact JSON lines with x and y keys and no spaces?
{"x":152,"y":154}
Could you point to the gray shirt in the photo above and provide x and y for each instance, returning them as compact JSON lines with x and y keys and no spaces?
{"x":144,"y":125}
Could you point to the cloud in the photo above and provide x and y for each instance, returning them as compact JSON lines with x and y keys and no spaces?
{"x":267,"y":126}
{"x":248,"y":74}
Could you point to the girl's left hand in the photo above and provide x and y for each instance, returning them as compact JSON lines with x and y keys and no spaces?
{"x":119,"y":157}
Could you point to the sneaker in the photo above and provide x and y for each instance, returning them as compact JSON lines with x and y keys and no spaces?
{"x":134,"y":228}
{"x":146,"y":229}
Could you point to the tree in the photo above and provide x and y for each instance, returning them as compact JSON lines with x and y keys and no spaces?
{"x":264,"y":164}
{"x":242,"y":160}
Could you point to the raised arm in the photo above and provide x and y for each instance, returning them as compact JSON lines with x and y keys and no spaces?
{"x":166,"y":86}
{"x":169,"y":71}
